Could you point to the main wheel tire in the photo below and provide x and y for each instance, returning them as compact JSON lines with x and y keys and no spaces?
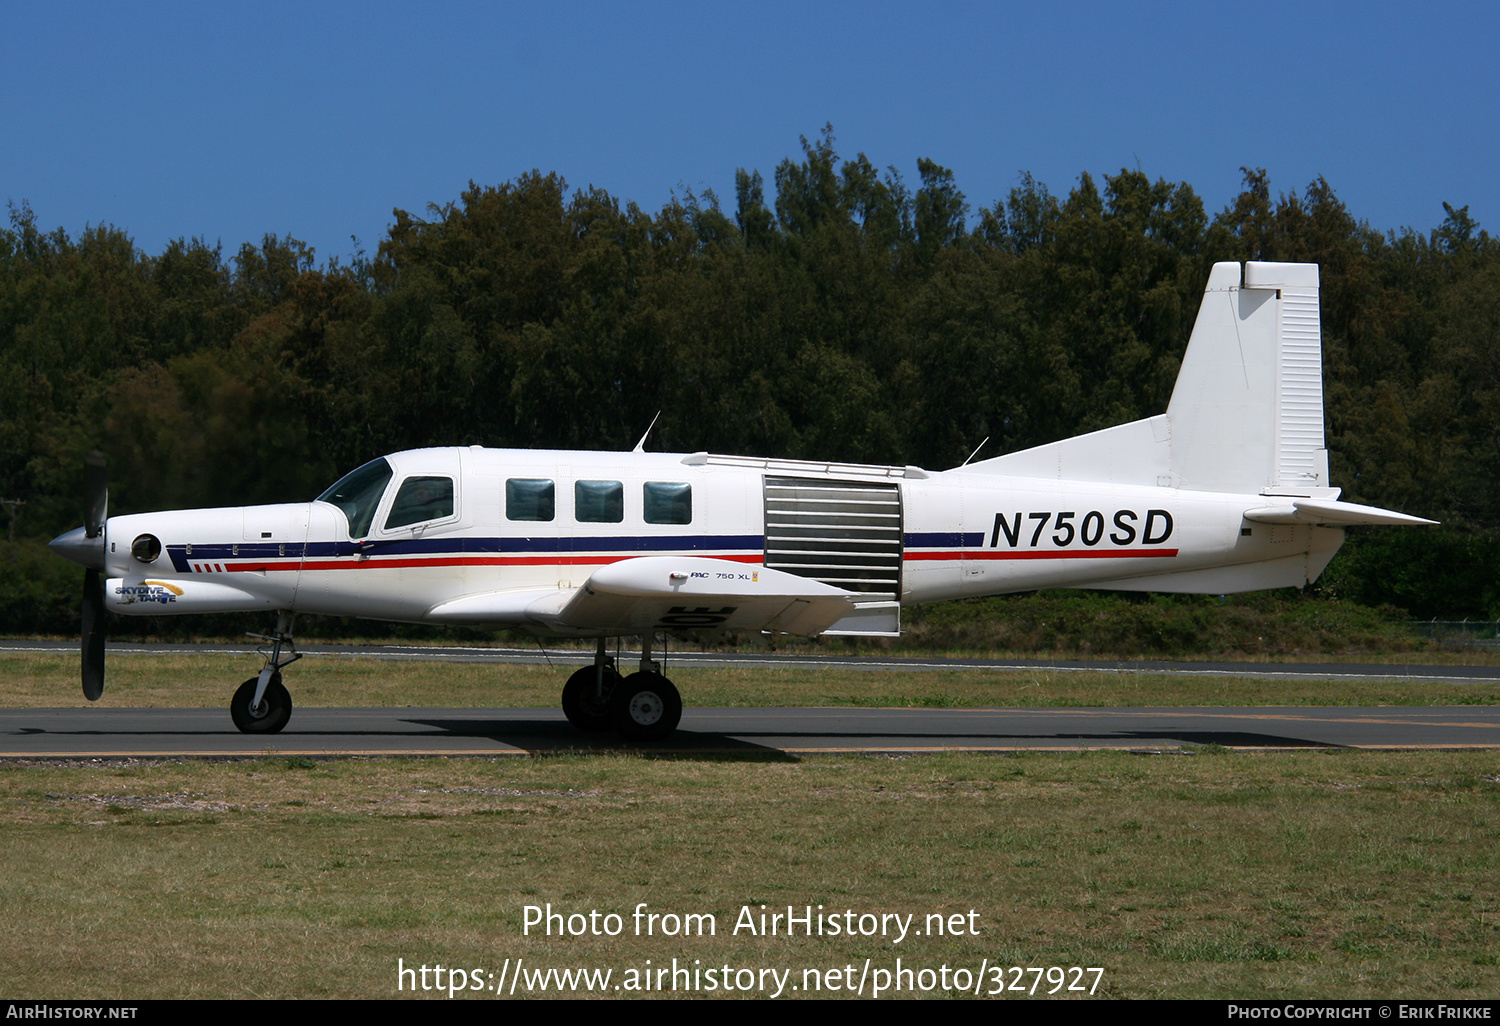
{"x":582,"y":704}
{"x":646,"y":707}
{"x":275,"y":708}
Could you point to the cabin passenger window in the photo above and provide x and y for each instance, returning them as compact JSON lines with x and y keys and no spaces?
{"x":669,"y":502}
{"x":529,"y":498}
{"x":598,"y":502}
{"x":421,"y":498}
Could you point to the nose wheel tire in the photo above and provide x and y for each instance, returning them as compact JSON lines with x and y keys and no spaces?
{"x":274,"y":711}
{"x":646,"y":707}
{"x":582,"y":703}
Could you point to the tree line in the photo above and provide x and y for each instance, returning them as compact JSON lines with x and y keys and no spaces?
{"x":838,"y":311}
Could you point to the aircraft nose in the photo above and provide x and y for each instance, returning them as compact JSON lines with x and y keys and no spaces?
{"x":77,"y":546}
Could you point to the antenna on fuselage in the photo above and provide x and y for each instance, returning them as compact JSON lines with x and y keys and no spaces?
{"x":641,"y":445}
{"x":981,"y":445}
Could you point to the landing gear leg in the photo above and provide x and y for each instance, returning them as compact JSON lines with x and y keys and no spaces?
{"x":262,"y":705}
{"x":585,"y":698}
{"x":646,"y":706}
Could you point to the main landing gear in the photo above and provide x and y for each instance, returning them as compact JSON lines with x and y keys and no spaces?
{"x":262,"y":705}
{"x":644,"y":706}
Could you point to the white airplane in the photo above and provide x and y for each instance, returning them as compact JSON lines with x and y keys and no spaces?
{"x":1227,"y":491}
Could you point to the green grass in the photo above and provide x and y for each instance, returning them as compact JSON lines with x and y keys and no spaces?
{"x":50,"y":680}
{"x":1293,"y":875}
{"x":1205,"y":874}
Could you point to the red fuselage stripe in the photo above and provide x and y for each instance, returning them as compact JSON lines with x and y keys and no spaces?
{"x":1046,"y":554}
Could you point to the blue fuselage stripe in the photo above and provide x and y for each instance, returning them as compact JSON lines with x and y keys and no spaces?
{"x":201,"y":553}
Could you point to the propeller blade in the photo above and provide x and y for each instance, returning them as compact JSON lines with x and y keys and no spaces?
{"x":93,"y":635}
{"x":95,"y":493}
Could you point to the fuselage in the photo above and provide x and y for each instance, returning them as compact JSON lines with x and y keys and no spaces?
{"x":446,"y":523}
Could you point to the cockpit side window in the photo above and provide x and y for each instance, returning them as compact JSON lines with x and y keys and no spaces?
{"x":421,"y":499}
{"x":358,"y":493}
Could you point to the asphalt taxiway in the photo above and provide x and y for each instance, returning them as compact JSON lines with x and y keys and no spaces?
{"x":168,"y":733}
{"x":102,"y":732}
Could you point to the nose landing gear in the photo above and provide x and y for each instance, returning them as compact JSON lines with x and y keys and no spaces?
{"x":268,"y":715}
{"x":262,"y":705}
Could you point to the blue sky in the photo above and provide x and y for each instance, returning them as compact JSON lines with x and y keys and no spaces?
{"x":228,"y":121}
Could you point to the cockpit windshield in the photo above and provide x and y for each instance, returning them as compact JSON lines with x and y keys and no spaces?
{"x":358,"y":493}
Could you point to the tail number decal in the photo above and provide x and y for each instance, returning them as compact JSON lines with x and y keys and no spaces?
{"x":1123,"y":529}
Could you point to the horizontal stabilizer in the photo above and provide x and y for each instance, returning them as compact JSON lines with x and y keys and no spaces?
{"x":1331,"y":513}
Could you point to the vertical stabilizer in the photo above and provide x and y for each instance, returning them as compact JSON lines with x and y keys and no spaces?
{"x":1247,"y":412}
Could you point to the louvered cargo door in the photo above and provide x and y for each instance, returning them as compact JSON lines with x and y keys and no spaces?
{"x":843,"y":533}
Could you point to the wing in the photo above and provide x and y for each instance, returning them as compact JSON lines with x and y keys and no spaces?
{"x":664,"y":593}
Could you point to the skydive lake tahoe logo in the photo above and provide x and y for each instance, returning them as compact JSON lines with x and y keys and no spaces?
{"x":147,"y":591}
